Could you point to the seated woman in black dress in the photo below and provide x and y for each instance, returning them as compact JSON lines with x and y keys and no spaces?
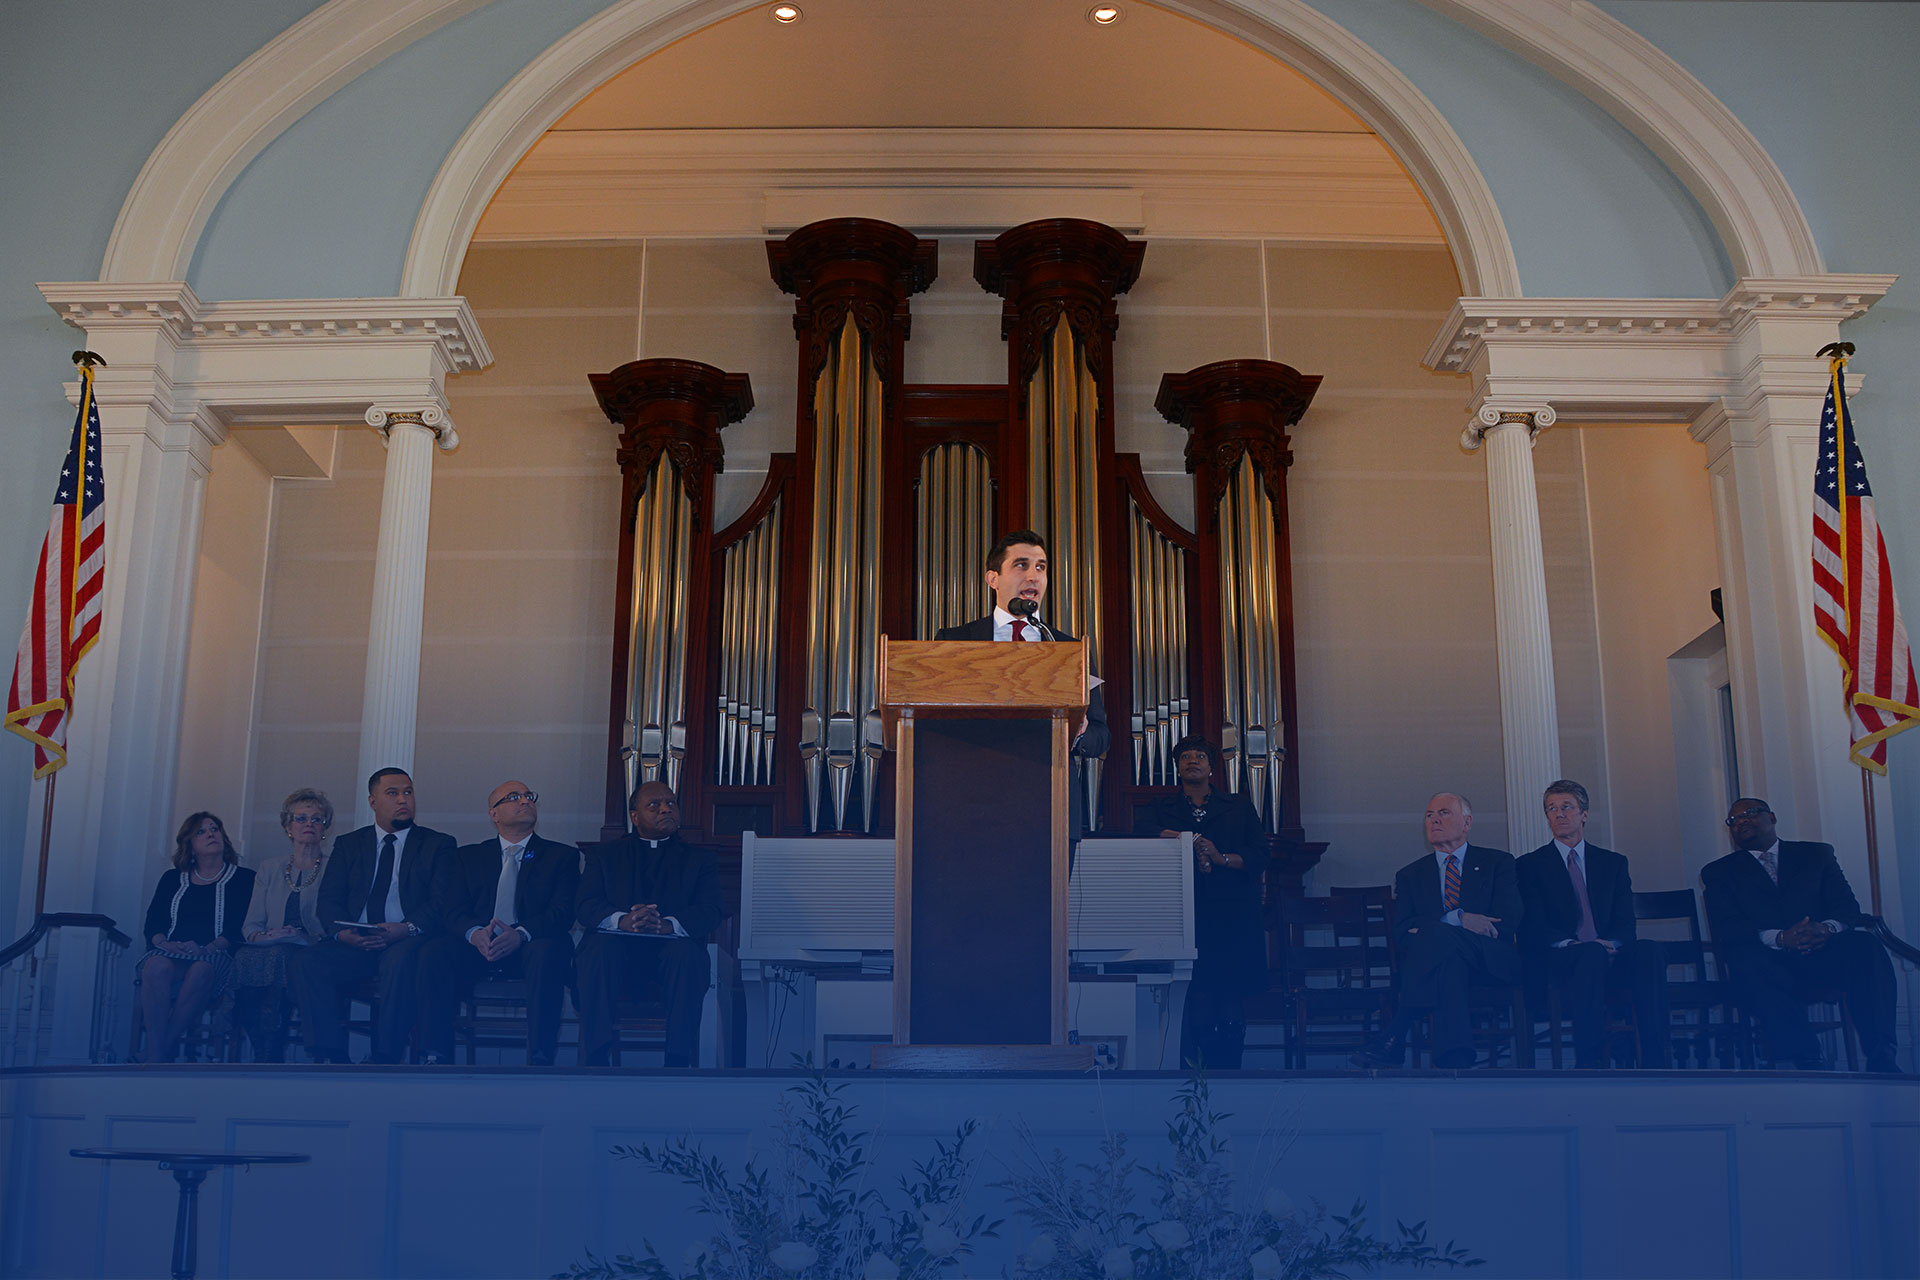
{"x":1230,"y":858}
{"x":193,"y":924}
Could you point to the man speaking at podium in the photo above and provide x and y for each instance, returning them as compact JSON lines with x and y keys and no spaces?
{"x":1017,"y":576}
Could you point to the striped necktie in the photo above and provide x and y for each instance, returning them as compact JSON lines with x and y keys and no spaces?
{"x":1452,"y":885}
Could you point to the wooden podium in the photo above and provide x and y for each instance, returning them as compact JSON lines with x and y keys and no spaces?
{"x":981,"y":795}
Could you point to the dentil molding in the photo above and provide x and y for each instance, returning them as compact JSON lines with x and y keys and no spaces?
{"x":448,"y":323}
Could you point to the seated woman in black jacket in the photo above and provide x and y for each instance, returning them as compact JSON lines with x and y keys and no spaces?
{"x":194,"y":923}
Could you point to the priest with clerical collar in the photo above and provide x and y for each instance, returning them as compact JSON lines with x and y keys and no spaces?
{"x":648,"y":902}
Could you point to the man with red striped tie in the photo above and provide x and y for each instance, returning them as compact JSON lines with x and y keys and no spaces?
{"x":1455,"y":914}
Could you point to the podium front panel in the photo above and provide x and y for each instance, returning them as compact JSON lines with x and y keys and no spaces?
{"x":982,"y":882}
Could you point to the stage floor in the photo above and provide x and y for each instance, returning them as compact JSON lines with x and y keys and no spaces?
{"x":505,"y":1171}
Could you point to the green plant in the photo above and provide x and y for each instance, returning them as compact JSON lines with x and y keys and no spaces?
{"x":1087,"y":1227}
{"x":816,"y":1219}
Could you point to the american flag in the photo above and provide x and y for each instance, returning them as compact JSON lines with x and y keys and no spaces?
{"x":1853,"y":605}
{"x":68,"y":590}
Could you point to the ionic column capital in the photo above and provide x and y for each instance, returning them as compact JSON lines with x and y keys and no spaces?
{"x":433,"y":417}
{"x":1492,"y":415}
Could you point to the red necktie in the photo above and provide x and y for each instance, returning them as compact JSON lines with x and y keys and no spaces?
{"x":1019,"y":629}
{"x":1587,"y":932}
{"x":1453,"y":883}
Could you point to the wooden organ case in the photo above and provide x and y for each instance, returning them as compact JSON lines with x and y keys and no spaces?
{"x":745,"y":669}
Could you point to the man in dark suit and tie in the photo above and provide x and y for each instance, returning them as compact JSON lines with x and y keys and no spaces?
{"x":648,"y":902}
{"x":1017,"y":577}
{"x":1579,"y":934}
{"x":1454,"y":916}
{"x":507,"y":906}
{"x":1784,"y":920}
{"x":376,"y":904}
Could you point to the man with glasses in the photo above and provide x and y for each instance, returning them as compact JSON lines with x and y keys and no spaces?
{"x":648,"y":902}
{"x":507,"y":904}
{"x":1785,"y":921}
{"x":376,"y":905}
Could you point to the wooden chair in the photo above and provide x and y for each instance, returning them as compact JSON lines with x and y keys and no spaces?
{"x":1333,"y":975}
{"x":1699,"y":990}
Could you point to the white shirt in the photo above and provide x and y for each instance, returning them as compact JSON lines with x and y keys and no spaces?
{"x":1440,"y":859}
{"x":380,"y":834}
{"x":612,"y":922}
{"x":1003,"y":626}
{"x":1771,"y":937}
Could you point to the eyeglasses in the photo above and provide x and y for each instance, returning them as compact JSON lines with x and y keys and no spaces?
{"x":515,"y":797}
{"x":308,"y":819}
{"x":1744,"y":814}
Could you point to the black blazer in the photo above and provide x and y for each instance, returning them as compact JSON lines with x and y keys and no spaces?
{"x":1552,"y":910}
{"x":1487,"y":888}
{"x":1742,"y":899}
{"x":682,"y":880}
{"x":1094,"y":742}
{"x":466,"y":882}
{"x":349,"y":877}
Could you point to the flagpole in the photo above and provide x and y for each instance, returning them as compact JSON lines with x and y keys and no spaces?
{"x":46,"y":843}
{"x":1873,"y":838}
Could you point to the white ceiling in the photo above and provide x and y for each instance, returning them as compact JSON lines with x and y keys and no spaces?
{"x":960,"y":115}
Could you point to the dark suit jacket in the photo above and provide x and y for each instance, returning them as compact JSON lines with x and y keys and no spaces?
{"x":542,"y":896}
{"x":1487,"y":888}
{"x":349,"y":876}
{"x":681,"y":880}
{"x":1552,"y":910}
{"x":1094,"y":742}
{"x":1742,"y":899}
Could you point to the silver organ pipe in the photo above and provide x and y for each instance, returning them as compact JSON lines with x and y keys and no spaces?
{"x":953,"y":511}
{"x":662,"y":529}
{"x":1159,"y":613}
{"x":840,"y":724}
{"x":749,"y":612}
{"x":1251,"y":631}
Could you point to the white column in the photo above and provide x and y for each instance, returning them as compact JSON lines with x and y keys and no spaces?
{"x":1529,"y":723}
{"x":390,"y":707}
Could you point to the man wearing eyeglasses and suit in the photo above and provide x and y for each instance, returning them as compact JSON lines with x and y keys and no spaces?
{"x":507,"y":904}
{"x":376,"y":905}
{"x":1017,"y":577}
{"x":1785,"y":921}
{"x":1455,"y":913}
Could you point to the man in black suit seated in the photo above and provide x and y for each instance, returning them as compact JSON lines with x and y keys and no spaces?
{"x":376,"y":905}
{"x":507,"y":906}
{"x":1455,"y":912}
{"x":648,"y":902}
{"x":1017,"y":577}
{"x":1784,"y":921}
{"x":1579,"y":934}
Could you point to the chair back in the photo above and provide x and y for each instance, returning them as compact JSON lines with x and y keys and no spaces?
{"x":1331,"y":941}
{"x":1682,"y":905}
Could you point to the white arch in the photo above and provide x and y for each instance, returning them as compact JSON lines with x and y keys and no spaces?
{"x":1302,"y":37}
{"x":1678,"y":118}
{"x":185,"y":177}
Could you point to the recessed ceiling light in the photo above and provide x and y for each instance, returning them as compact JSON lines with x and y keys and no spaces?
{"x":787,"y":14}
{"x":1104,"y":15}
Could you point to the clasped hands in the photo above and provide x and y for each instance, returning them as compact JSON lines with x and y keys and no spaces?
{"x":389,"y":933}
{"x":496,"y":940}
{"x":644,"y":917}
{"x":1805,"y":936}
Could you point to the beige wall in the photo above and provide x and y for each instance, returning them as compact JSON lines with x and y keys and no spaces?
{"x":1398,"y":674}
{"x":1654,"y":568}
{"x":217,"y":710}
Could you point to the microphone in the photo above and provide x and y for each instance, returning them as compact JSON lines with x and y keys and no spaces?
{"x":1021,"y":607}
